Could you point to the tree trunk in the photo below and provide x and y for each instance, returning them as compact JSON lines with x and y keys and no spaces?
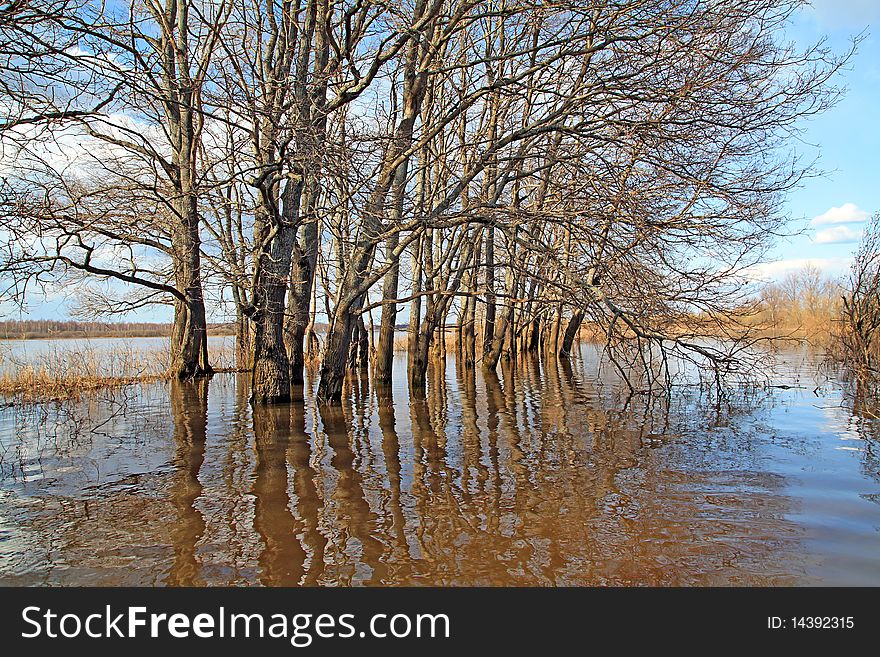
{"x":431,"y":330}
{"x":302,"y":279}
{"x":469,"y":339}
{"x":336,"y":352}
{"x":270,"y":379}
{"x":417,"y":366}
{"x":414,"y":88}
{"x":244,"y":342}
{"x":438,"y":350}
{"x":189,"y":339}
{"x":312,"y":343}
{"x":574,"y":324}
{"x":359,"y":349}
{"x":535,"y":336}
{"x":552,"y":348}
{"x":494,"y":348}
{"x":189,"y":335}
{"x":385,"y":346}
{"x":468,"y":324}
{"x":489,"y":326}
{"x":352,"y":295}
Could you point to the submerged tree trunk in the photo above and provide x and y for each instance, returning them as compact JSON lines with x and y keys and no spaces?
{"x":468,"y":337}
{"x":431,"y":331}
{"x":313,"y":345}
{"x":305,"y":258}
{"x":496,"y":348}
{"x":335,"y":360}
{"x":415,"y":309}
{"x":270,"y":379}
{"x":352,"y":298}
{"x":189,"y":336}
{"x":534,"y":343}
{"x":493,"y":350}
{"x":359,"y":350}
{"x":552,"y":345}
{"x":385,"y":345}
{"x":417,"y":366}
{"x":438,"y":348}
{"x":469,"y":334}
{"x":571,"y":331}
{"x":489,"y":322}
{"x":414,"y":89}
{"x":244,"y":342}
{"x":302,"y":279}
{"x":189,"y":342}
{"x":189,"y":339}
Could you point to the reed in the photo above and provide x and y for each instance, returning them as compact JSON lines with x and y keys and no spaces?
{"x":69,"y":372}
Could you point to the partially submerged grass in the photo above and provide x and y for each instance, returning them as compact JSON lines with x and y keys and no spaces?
{"x":32,"y":384}
{"x":65,"y":373}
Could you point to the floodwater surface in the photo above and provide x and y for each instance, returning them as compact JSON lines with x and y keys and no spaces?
{"x":102,"y":356}
{"x":544,"y":475}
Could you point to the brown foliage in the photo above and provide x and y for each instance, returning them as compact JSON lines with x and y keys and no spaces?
{"x":805,"y":305}
{"x":860,"y":334}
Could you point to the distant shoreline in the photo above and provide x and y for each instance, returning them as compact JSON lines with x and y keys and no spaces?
{"x":92,"y":336}
{"x":70,"y":330}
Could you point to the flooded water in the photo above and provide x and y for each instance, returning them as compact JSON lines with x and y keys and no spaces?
{"x":103,"y":356}
{"x":545,"y":475}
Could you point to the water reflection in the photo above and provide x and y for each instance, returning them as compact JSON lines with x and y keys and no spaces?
{"x":393,"y":521}
{"x":355,"y":520}
{"x":538,"y":475}
{"x":282,"y":560}
{"x":308,"y":502}
{"x":189,"y":410}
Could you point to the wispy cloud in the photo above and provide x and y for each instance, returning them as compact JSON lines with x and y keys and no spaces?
{"x":837,"y":235}
{"x":777,"y":270}
{"x":848,"y":213}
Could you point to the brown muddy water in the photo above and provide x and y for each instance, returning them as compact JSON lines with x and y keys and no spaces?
{"x":545,"y":475}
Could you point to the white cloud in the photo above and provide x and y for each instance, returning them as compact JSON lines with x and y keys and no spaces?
{"x":777,"y":270}
{"x":848,"y":213}
{"x":837,"y":235}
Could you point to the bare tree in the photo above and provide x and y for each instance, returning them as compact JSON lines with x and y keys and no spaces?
{"x":522,"y":170}
{"x":861,"y":307}
{"x":154,"y":60}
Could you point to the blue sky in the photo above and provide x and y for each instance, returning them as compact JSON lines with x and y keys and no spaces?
{"x":829,"y":209}
{"x":845,"y":139}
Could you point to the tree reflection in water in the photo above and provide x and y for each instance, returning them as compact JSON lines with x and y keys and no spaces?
{"x":189,"y":410}
{"x":535,"y":476}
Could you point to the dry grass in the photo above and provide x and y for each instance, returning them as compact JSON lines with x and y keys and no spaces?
{"x":401,"y":339}
{"x":65,"y":373}
{"x":32,"y":384}
{"x":818,"y":326}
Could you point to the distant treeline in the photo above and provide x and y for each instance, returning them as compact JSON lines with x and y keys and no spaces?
{"x":47,"y":328}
